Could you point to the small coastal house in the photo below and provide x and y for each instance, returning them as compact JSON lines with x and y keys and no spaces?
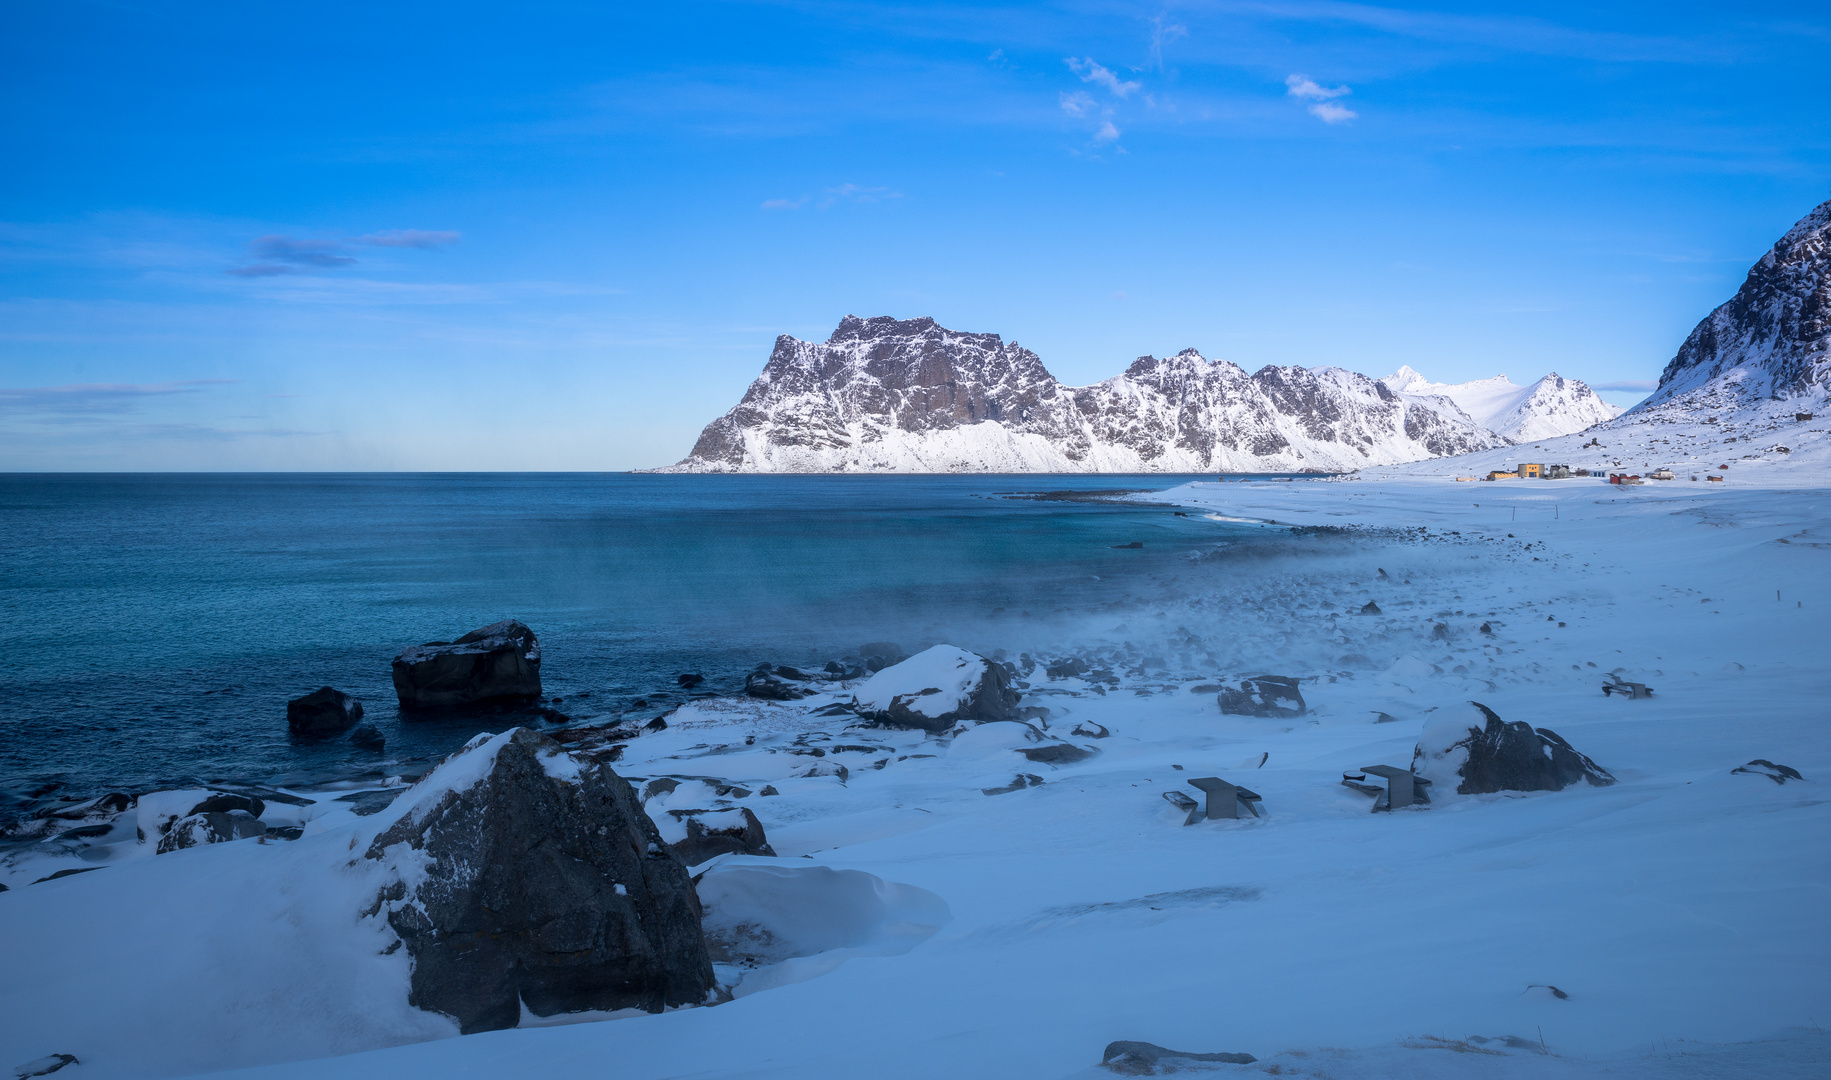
{"x":1557,"y":472}
{"x":1498,"y":475}
{"x":1532,"y":471}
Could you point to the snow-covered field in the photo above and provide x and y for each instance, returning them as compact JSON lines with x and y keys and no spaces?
{"x":924,"y":928}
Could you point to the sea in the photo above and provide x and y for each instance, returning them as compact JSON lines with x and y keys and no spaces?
{"x":155,"y":625}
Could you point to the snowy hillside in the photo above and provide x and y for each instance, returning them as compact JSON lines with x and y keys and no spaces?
{"x":888,"y":395}
{"x":1552,"y":406}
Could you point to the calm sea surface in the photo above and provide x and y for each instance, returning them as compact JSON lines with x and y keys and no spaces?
{"x":155,"y":625}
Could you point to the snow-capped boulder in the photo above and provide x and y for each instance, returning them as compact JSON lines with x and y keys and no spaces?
{"x":523,"y":877}
{"x":936,"y":689}
{"x":210,"y":827}
{"x":500,"y":661}
{"x":1475,"y":752}
{"x":711,"y":833}
{"x":324,"y":711}
{"x":1264,"y":695}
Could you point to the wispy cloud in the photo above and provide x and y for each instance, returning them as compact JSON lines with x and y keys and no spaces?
{"x":1107,"y":132}
{"x":409,"y":238}
{"x":277,"y":255}
{"x":1080,"y":104}
{"x":833,"y":196}
{"x":1323,"y":106}
{"x":94,"y":399}
{"x":1645,"y":386}
{"x":1091,"y":72}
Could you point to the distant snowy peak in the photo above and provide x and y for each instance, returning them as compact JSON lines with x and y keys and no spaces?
{"x":1552,"y":406}
{"x":1769,"y":343}
{"x":891,"y":395}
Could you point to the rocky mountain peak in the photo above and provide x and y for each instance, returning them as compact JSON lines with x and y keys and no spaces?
{"x":1769,"y":342}
{"x":911,"y":395}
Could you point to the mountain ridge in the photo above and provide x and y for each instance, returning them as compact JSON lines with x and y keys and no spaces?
{"x":890,"y":395}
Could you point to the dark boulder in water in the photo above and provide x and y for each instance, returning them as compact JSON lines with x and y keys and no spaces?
{"x":368,"y":737}
{"x":324,"y":711}
{"x":538,"y":882}
{"x":690,"y":680}
{"x":1482,"y":754}
{"x":500,"y":662}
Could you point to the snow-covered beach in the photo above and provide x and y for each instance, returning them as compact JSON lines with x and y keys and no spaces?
{"x":1017,"y":934}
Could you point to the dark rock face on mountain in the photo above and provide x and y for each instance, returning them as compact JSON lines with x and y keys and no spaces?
{"x":499,"y":662}
{"x":541,"y":883}
{"x":892,"y":395}
{"x":1502,"y":756}
{"x":322,"y":712}
{"x":1771,"y":341}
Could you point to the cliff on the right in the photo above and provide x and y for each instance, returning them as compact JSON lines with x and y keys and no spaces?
{"x":1768,"y":349}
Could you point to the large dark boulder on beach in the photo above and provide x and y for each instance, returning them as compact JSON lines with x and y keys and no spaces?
{"x":936,"y":689}
{"x":537,"y":880}
{"x":500,"y":662}
{"x":324,"y":711}
{"x":1479,"y":753}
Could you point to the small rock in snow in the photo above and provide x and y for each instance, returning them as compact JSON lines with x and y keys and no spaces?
{"x":1148,"y":1059}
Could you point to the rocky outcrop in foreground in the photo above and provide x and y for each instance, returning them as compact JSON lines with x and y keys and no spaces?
{"x":526,"y":878}
{"x":936,"y":689}
{"x":500,"y":662}
{"x":1479,"y":753}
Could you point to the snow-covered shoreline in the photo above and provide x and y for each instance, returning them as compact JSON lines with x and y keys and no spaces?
{"x":1682,"y":903}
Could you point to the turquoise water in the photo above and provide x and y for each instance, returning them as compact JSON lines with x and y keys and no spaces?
{"x":155,"y":625}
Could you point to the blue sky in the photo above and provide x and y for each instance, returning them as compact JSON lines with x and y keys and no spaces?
{"x":565,"y":235}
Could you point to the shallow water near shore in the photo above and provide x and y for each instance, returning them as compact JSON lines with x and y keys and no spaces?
{"x":157,"y":624}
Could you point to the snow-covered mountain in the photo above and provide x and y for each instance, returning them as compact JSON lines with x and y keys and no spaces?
{"x":890,"y":395}
{"x":1747,"y":394}
{"x":1552,"y":406}
{"x":1769,"y":347}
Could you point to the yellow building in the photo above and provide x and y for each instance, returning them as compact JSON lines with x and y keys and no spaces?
{"x":1498,"y":475}
{"x":1532,"y":471}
